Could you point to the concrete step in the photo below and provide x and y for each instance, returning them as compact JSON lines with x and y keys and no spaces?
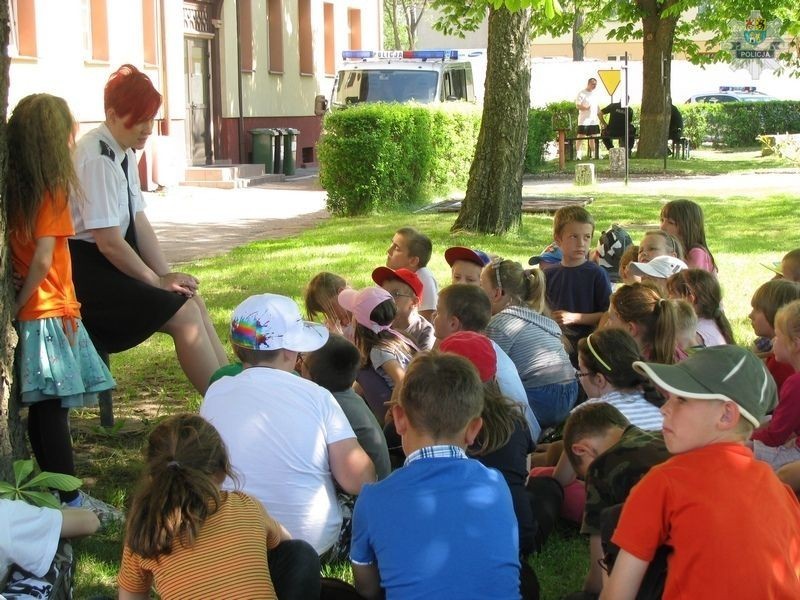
{"x":228,"y":176}
{"x":222,"y":172}
{"x":239,"y":182}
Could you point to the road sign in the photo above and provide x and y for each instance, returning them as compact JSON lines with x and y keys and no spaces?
{"x":610,"y":79}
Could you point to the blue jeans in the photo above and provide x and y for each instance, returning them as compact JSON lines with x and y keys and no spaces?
{"x":551,"y":403}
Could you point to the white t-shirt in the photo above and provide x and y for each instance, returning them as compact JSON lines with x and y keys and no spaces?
{"x":510,"y":385}
{"x":430,"y":289}
{"x":28,"y":537}
{"x":277,"y":428}
{"x":588,"y":116}
{"x":105,"y":189}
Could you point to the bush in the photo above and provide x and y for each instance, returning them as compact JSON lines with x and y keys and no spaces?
{"x":377,"y":157}
{"x":738,"y":124}
{"x":540,"y":132}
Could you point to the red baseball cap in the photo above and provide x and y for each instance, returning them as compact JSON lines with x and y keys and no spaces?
{"x":381,"y":274}
{"x":454,"y":253}
{"x":476,"y":348}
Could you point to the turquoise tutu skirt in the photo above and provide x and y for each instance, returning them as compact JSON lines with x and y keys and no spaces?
{"x":53,"y":364}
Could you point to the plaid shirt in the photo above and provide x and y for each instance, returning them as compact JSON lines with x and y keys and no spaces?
{"x":444,"y":451}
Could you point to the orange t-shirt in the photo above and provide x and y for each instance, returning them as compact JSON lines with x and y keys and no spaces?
{"x":55,"y":297}
{"x":227,"y":560}
{"x":733,"y":526}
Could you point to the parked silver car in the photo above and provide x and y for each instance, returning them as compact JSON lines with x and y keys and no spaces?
{"x":730,"y":93}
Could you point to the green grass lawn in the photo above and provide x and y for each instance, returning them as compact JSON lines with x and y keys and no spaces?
{"x":743,"y":232}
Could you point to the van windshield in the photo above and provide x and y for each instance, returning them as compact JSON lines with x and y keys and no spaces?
{"x":385,"y":85}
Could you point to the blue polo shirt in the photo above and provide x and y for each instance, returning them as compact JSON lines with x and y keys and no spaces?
{"x":443,"y":526}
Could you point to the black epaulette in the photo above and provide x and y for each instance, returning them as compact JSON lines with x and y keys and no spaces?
{"x":106,"y":150}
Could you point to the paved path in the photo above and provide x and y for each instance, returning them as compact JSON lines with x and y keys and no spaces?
{"x":193,"y":223}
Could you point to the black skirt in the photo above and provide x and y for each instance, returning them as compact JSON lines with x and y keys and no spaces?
{"x":118,"y":311}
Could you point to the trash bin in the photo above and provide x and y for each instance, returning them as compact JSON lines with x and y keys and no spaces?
{"x":262,"y":148}
{"x":278,"y":142}
{"x":289,"y":149}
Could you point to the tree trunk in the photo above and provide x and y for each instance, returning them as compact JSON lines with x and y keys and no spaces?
{"x":12,"y":440}
{"x":493,"y":202}
{"x":658,"y":34}
{"x":578,"y":46}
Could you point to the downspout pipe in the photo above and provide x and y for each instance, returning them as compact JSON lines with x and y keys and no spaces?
{"x":164,"y":126}
{"x":239,"y":81}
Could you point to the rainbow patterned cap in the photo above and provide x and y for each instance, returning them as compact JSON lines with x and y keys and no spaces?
{"x":273,"y":322}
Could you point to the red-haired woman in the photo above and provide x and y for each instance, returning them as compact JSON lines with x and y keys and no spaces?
{"x":125,"y":286}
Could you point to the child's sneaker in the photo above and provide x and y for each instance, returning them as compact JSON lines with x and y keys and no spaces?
{"x":105,"y":512}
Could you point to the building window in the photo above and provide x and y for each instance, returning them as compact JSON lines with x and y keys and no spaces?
{"x":305,"y":46}
{"x":150,"y":32}
{"x":275,"y":22}
{"x":22,"y":23}
{"x":95,"y":29}
{"x":330,"y":47}
{"x":354,"y":25}
{"x":246,"y":34}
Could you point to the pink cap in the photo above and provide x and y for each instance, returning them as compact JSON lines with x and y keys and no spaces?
{"x":476,"y":348}
{"x":362,"y":302}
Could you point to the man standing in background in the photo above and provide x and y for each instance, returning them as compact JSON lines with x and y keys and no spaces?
{"x":588,"y":105}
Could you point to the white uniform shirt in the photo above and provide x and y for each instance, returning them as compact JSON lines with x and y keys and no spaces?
{"x":105,"y":189}
{"x":588,"y":116}
{"x":28,"y":537}
{"x":277,"y":428}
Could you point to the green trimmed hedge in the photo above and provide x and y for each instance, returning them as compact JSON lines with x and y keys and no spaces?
{"x":738,"y":124}
{"x":378,"y":157}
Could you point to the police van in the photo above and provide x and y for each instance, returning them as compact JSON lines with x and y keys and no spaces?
{"x":423,"y":76}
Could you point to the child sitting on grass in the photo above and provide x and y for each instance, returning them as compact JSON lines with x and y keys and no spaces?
{"x":320,"y":299}
{"x":412,"y":250}
{"x":733,"y":527}
{"x":334,"y":367}
{"x":578,"y":289}
{"x":406,"y":289}
{"x":30,"y":540}
{"x":702,"y":290}
{"x":530,"y":338}
{"x":387,"y":351}
{"x":464,"y":307}
{"x":466,"y":264}
{"x":651,"y":319}
{"x":504,"y":441}
{"x":684,"y":220}
{"x":442,"y":526}
{"x":184,"y":532}
{"x":766,"y":301}
{"x":777,"y":442}
{"x":611,"y":455}
{"x":789,"y":267}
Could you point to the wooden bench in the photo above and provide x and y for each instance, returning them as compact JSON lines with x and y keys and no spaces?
{"x":680,"y":148}
{"x":568,"y":145}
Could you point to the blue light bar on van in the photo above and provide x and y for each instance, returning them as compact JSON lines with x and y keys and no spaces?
{"x":737,"y":88}
{"x":407,"y":54}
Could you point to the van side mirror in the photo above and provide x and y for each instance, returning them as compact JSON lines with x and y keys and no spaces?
{"x":320,"y":105}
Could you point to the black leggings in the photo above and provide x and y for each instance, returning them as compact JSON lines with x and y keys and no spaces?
{"x":48,"y":431}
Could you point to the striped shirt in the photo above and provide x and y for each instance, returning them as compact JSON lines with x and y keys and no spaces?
{"x":227,"y":560}
{"x":634,"y":406}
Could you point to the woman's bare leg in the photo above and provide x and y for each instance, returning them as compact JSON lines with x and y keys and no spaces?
{"x":219,"y":349}
{"x":195,"y":350}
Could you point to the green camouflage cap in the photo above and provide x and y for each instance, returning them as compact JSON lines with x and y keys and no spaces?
{"x":728,"y":373}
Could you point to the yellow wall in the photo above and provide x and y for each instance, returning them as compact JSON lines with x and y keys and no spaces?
{"x":287,"y":94}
